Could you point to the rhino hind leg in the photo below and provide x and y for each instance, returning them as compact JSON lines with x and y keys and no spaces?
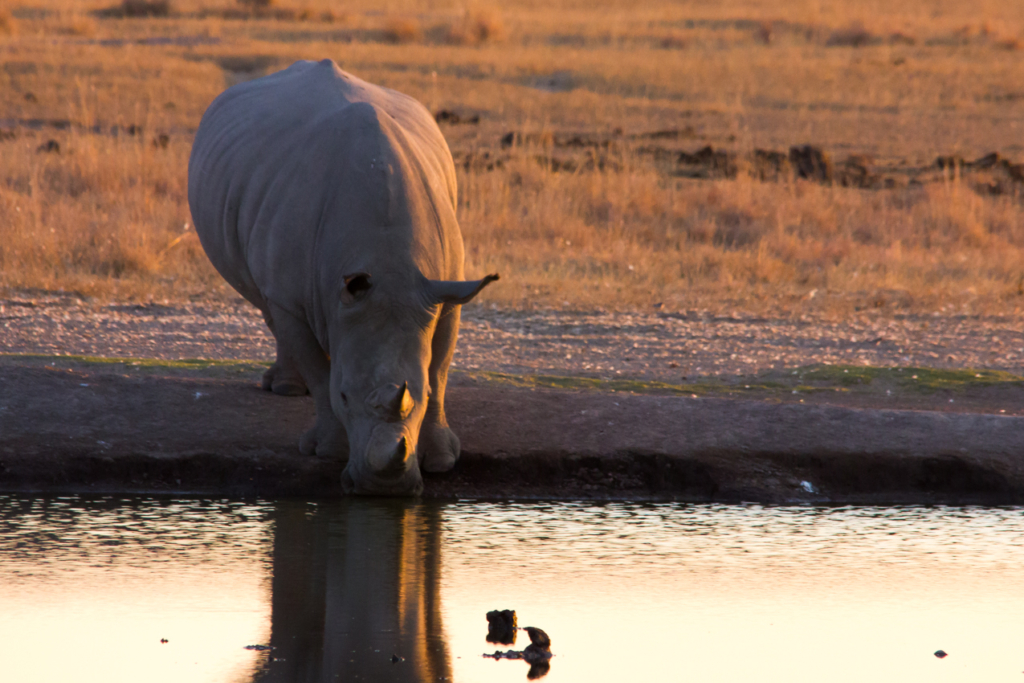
{"x":302,"y":355}
{"x":282,"y":378}
{"x":438,"y":446}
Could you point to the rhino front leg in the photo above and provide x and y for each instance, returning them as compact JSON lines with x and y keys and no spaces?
{"x":283,"y":378}
{"x":296,"y":342}
{"x":439,"y":447}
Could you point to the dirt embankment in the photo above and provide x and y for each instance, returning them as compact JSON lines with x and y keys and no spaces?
{"x":73,"y":425}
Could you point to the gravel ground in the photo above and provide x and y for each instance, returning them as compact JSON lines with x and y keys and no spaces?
{"x":662,"y":346}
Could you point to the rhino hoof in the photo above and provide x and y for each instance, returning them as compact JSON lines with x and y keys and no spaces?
{"x":282,"y":382}
{"x":325,"y":441}
{"x":440,"y":450}
{"x":289,"y":388}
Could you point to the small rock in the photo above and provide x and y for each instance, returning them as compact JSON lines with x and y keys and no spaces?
{"x":395,"y":659}
{"x":501,"y":626}
{"x":941,"y":654}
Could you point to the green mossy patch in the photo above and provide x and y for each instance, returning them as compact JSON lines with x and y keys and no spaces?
{"x":907,"y":378}
{"x":705,"y":387}
{"x":191,"y":367}
{"x":804,"y":380}
{"x":810,"y":379}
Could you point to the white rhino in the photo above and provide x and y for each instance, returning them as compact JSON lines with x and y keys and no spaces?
{"x":329,"y":203}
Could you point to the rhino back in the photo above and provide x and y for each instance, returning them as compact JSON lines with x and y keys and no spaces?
{"x":312,"y":164}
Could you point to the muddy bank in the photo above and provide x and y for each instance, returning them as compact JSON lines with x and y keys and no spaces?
{"x":100,"y":429}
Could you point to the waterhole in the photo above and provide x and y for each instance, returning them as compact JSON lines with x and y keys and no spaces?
{"x":130,"y":589}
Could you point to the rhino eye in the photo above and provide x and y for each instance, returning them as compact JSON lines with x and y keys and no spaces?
{"x":358,"y":283}
{"x":344,"y":399}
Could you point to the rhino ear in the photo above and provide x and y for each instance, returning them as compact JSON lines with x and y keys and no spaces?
{"x":457,"y":291}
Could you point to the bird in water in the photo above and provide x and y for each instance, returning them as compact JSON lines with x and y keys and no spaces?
{"x":539,"y":649}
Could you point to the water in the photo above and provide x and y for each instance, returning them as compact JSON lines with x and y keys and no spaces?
{"x":89,"y":587}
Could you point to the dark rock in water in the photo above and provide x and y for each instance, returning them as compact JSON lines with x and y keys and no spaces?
{"x":538,"y":637}
{"x":395,"y":659}
{"x":537,"y":653}
{"x":941,"y":654}
{"x":501,"y":626}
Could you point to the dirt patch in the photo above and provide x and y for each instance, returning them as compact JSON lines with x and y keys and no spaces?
{"x":672,"y":153}
{"x":79,"y":425}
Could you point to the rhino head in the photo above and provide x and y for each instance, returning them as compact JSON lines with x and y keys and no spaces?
{"x":384,"y":335}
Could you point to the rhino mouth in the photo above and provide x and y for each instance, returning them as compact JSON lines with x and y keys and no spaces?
{"x":388,"y":467}
{"x":408,"y":484}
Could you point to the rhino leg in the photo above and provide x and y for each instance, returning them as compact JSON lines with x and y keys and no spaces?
{"x":438,"y":445}
{"x":283,"y":378}
{"x":296,"y":343}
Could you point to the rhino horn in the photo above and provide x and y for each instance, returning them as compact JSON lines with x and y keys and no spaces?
{"x":457,"y":291}
{"x":401,"y":403}
{"x":392,"y":402}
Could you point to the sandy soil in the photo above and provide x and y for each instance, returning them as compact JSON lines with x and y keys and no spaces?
{"x":665,"y":346}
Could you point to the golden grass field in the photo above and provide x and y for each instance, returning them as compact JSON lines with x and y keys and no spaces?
{"x":601,"y":200}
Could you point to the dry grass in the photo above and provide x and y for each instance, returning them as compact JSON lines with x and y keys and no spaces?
{"x":8,"y":24}
{"x":402,"y":30}
{"x":66,"y":23}
{"x":475,"y":27}
{"x":637,"y":239}
{"x":619,"y":228}
{"x":136,"y":9}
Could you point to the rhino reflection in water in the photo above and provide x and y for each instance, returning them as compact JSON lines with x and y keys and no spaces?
{"x":354,"y":584}
{"x":329,"y":203}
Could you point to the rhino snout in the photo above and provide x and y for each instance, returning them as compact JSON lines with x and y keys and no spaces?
{"x":388,"y":465}
{"x":389,"y":451}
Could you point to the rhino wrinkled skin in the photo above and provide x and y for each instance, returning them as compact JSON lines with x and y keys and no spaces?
{"x":329,"y":204}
